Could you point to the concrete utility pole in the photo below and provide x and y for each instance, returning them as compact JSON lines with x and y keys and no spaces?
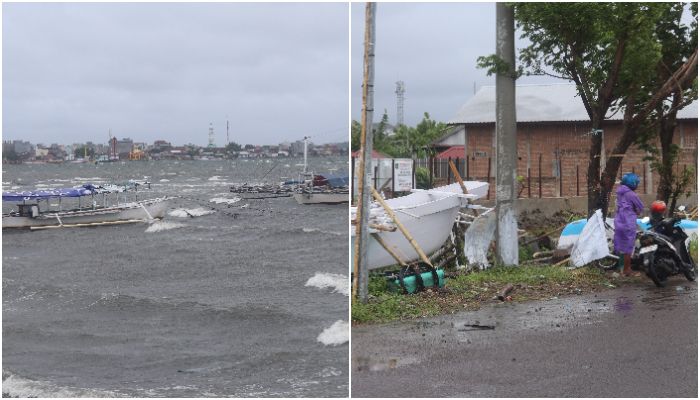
{"x":366,"y":140}
{"x":506,"y":140}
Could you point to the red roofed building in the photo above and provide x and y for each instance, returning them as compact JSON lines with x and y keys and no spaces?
{"x":453,"y":153}
{"x":375,"y":154}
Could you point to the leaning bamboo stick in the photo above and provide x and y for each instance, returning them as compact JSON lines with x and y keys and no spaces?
{"x":388,"y":249}
{"x":399,"y":225}
{"x":562,"y":262}
{"x":458,"y":177}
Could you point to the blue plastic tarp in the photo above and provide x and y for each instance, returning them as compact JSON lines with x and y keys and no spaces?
{"x":336,"y":181}
{"x":84,"y":190}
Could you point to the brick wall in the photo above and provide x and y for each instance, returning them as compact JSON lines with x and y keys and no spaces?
{"x":559,"y":153}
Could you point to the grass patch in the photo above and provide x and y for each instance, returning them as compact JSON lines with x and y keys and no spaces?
{"x":693,"y":248}
{"x":469,"y":291}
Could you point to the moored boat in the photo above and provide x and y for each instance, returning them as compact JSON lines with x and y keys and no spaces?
{"x":323,"y":189}
{"x":32,"y":214}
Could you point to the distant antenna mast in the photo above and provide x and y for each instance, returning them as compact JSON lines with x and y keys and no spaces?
{"x":211,"y":135}
{"x":227,"y":140}
{"x":400,"y":90}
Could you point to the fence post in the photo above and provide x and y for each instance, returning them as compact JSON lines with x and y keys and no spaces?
{"x":431,"y":160}
{"x":540,"y":173}
{"x":413,"y":175}
{"x":376,"y":167}
{"x":577,"y":194}
{"x":561,"y":180}
{"x":529,"y":193}
{"x":488,"y":179}
{"x":467,"y":167}
{"x":393,"y":183}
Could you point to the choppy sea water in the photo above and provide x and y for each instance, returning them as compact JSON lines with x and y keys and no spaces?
{"x":224,"y":297}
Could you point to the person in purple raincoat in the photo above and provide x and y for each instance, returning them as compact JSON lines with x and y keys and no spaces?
{"x":628,"y":208}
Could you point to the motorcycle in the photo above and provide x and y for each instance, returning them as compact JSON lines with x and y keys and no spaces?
{"x":662,"y":251}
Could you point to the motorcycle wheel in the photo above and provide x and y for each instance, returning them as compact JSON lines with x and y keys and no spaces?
{"x":690,"y":273}
{"x":659,"y":271}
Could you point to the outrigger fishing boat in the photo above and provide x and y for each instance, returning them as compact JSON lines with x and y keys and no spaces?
{"x":32,"y":214}
{"x":427,"y":214}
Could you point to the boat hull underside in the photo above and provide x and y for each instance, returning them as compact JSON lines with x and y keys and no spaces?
{"x":429,"y":224}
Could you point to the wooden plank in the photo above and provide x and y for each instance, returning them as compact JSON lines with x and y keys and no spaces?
{"x":458,"y":177}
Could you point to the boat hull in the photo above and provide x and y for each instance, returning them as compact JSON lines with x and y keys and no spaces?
{"x":321,"y":198}
{"x":129,"y":212}
{"x":428,"y":215}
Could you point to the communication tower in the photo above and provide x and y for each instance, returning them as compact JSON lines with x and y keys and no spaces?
{"x":211,"y":135}
{"x":400,"y":90}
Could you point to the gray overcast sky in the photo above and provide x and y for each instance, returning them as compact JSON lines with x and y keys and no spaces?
{"x":433,"y":48}
{"x":165,"y":71}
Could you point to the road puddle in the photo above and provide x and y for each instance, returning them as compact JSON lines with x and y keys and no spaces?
{"x":374,"y":364}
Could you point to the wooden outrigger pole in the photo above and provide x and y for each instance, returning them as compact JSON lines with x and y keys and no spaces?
{"x":360,"y":269}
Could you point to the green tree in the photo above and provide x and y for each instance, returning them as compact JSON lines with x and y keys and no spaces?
{"x":81,"y":151}
{"x":233,"y":147}
{"x":678,"y":42}
{"x":611,"y":52}
{"x":355,"y":133}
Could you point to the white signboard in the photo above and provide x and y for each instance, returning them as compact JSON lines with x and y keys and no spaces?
{"x":403,"y":175}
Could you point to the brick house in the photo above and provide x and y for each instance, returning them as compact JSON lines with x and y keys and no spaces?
{"x":553,"y":131}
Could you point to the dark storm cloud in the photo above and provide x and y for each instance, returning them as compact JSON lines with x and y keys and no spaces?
{"x":433,"y":48}
{"x":164,"y":71}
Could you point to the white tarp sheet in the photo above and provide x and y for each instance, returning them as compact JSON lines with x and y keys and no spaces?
{"x":592,"y":243}
{"x":477,"y":239}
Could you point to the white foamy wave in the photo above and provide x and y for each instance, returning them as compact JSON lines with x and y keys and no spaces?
{"x":79,"y":179}
{"x":164,"y":180}
{"x":159,"y":226}
{"x":223,"y":200}
{"x":338,"y":282}
{"x":192,"y":212}
{"x":15,"y":386}
{"x":316,"y":230}
{"x":336,"y":334}
{"x":215,"y":178}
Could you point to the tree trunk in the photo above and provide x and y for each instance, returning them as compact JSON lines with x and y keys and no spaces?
{"x":666,"y":130}
{"x":612,"y":166}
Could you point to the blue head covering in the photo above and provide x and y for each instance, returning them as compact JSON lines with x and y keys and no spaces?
{"x":630,"y":180}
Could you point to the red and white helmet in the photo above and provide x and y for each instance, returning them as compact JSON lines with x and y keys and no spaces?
{"x":658,"y":206}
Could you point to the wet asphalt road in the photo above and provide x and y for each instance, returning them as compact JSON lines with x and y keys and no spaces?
{"x":634,"y":341}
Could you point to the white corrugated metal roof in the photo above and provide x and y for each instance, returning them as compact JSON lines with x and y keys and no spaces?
{"x":536,"y":103}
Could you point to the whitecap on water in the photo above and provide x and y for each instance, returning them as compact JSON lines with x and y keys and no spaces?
{"x":338,"y":282}
{"x":164,"y":180}
{"x":18,"y":387}
{"x":159,"y":226}
{"x":223,"y":200}
{"x":189,"y":212}
{"x":336,"y":334}
{"x":215,"y":178}
{"x":316,"y":230}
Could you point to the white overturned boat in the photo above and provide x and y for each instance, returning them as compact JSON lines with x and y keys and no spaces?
{"x":427,"y":214}
{"x":30,"y":215}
